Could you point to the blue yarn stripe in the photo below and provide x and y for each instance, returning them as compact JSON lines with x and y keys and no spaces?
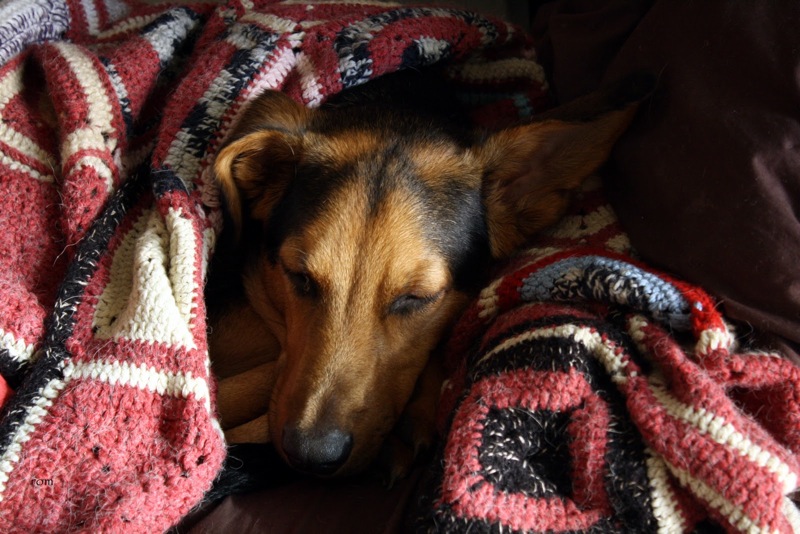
{"x":27,"y":22}
{"x":608,"y":280}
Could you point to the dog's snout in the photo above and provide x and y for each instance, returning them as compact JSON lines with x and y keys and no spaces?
{"x":319,"y":452}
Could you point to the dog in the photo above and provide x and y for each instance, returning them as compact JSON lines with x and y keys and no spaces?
{"x":357,"y":232}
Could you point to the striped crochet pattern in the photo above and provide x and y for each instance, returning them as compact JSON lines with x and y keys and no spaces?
{"x":599,"y":395}
{"x":110,"y":115}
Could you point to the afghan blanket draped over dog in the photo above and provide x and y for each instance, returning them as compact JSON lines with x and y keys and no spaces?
{"x":591,"y":393}
{"x":574,"y":405}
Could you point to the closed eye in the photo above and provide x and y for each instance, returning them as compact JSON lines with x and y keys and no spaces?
{"x":411,"y":303}
{"x":302,"y":284}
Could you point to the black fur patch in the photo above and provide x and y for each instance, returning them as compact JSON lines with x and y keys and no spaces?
{"x":403,"y":111}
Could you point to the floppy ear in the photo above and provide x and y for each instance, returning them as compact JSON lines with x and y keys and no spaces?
{"x":256,"y":162}
{"x":531,"y":170}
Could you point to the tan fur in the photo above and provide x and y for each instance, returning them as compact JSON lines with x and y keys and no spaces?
{"x":246,"y":340}
{"x":533,"y":169}
{"x":257,"y":162}
{"x":240,"y":401}
{"x":438,"y":163}
{"x":345,"y":361}
{"x":360,"y":366}
{"x":347,"y":146}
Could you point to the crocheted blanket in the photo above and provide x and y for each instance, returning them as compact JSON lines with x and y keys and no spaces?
{"x":592,"y":393}
{"x":584,"y":414}
{"x":110,"y":113}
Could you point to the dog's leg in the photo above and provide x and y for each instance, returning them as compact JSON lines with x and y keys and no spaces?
{"x":243,"y":357}
{"x":415,"y":433}
{"x":239,"y":340}
{"x":253,"y":431}
{"x":243,"y":401}
{"x":418,"y":423}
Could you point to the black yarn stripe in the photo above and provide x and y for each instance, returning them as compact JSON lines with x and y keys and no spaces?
{"x":445,"y":520}
{"x":628,"y":494}
{"x":11,"y":369}
{"x":512,"y":357}
{"x":626,"y":450}
{"x":539,"y":437}
{"x":165,"y":180}
{"x":604,"y":283}
{"x":249,"y":467}
{"x":163,"y":22}
{"x":626,"y":480}
{"x":171,"y":73}
{"x":628,"y":491}
{"x":242,"y":66}
{"x":124,"y":101}
{"x":413,"y":56}
{"x":346,"y":43}
{"x":60,"y":323}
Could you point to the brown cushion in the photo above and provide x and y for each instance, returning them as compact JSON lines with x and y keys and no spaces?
{"x":707,"y":181}
{"x":354,"y":506}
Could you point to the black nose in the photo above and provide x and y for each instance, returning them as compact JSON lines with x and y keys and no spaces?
{"x":319,"y":452}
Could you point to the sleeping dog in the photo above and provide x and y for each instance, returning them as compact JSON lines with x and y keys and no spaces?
{"x":357,"y":233}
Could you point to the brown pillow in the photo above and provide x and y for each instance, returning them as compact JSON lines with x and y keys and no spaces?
{"x":707,"y":180}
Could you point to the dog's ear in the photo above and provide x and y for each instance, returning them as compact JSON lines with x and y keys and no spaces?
{"x":257,"y":160}
{"x":531,"y":170}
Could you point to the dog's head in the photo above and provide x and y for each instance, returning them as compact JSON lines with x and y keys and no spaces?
{"x":370,"y":228}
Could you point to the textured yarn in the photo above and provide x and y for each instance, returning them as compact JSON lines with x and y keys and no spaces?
{"x":110,"y":115}
{"x":591,"y":393}
{"x":588,"y":392}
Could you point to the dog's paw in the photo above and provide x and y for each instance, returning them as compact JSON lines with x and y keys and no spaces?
{"x":417,"y":426}
{"x":414,"y":435}
{"x":411,"y":442}
{"x":394,"y":462}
